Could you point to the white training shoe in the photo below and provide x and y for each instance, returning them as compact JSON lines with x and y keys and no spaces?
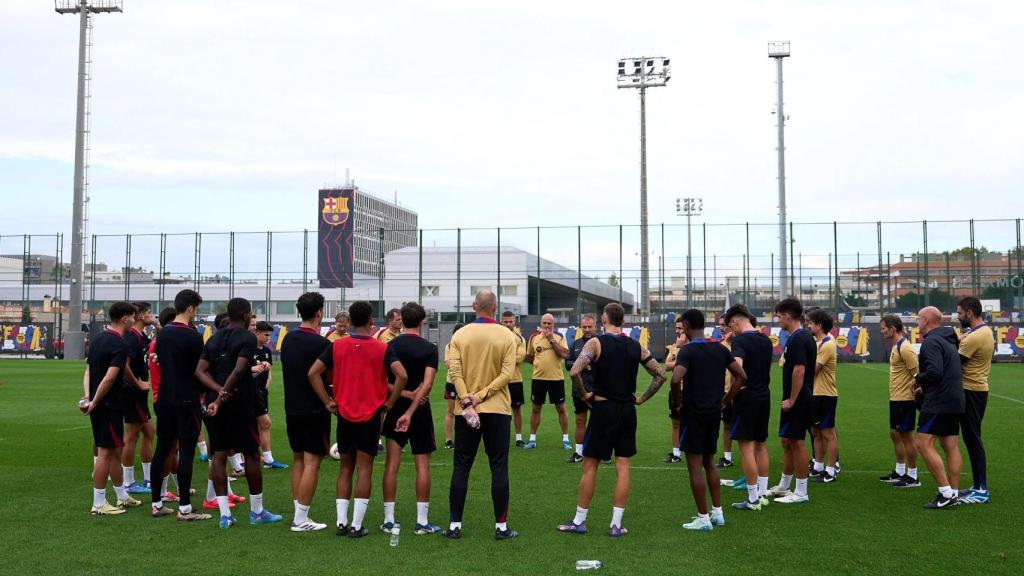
{"x":308,"y":526}
{"x":778,"y":492}
{"x":793,"y":498}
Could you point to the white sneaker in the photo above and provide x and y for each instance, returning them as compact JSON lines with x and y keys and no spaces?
{"x":718,"y":518}
{"x":778,"y":492}
{"x":308,"y":526}
{"x":793,"y":498}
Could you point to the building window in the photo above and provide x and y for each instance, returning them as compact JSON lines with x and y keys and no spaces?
{"x":430,"y":291}
{"x":474,"y":290}
{"x":509,"y":290}
{"x":284,"y":308}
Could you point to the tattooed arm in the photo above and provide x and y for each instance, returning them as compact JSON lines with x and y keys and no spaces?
{"x":591,"y":352}
{"x":657,"y":376}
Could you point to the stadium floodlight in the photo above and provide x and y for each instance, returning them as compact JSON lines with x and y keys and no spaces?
{"x":689,"y":207}
{"x":643,"y":73}
{"x":74,"y":339}
{"x":779,"y":50}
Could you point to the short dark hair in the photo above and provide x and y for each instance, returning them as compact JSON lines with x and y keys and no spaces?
{"x":615,"y":313}
{"x":309,"y":304}
{"x":412,"y":314}
{"x":678,"y":319}
{"x":970,"y":304}
{"x":186,"y":298}
{"x":893,"y":321}
{"x":589,"y":316}
{"x":790,"y":306}
{"x":738,"y":310}
{"x":341,"y":315}
{"x":166,"y":316}
{"x":508,"y":314}
{"x":142,"y":307}
{"x":457,"y":327}
{"x":238,"y":309}
{"x":220,"y":320}
{"x":119,"y":310}
{"x":693,"y":319}
{"x":264,"y":326}
{"x":821,"y":318}
{"x":361,"y":313}
{"x":393,"y":313}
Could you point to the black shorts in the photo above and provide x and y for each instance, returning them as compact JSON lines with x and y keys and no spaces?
{"x":939,"y":424}
{"x":107,"y":427}
{"x":727,"y":415}
{"x":135,"y":406}
{"x":420,"y":435}
{"x":554,"y":390}
{"x":262,"y":402}
{"x":698,"y":433}
{"x":234,"y":428}
{"x":750,"y":416}
{"x":361,"y":436}
{"x":612,"y":428}
{"x":309,"y":433}
{"x":673,"y":406}
{"x":902,"y":415}
{"x":515,"y":390}
{"x":823,"y":412}
{"x":183,"y":422}
{"x":795,"y":422}
{"x":449,"y":391}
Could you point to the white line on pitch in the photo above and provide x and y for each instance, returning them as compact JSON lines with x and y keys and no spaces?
{"x":74,"y":428}
{"x":1006,"y":398}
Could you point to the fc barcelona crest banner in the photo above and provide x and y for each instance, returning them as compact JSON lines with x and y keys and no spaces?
{"x":335,"y":217}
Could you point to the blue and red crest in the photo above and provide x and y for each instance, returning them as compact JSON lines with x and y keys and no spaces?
{"x":335,"y":210}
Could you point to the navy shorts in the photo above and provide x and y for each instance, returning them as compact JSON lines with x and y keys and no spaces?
{"x":234,"y":428}
{"x":420,"y":435}
{"x":612,"y":428}
{"x":698,"y":433}
{"x":939,"y":424}
{"x":823,"y":410}
{"x":515,"y":390}
{"x":553,"y":390}
{"x":902,"y":415}
{"x":359,"y":436}
{"x":750,"y":416}
{"x":309,"y":433}
{"x":795,"y":422}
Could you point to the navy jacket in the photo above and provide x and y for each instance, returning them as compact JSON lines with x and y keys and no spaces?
{"x":939,"y":376}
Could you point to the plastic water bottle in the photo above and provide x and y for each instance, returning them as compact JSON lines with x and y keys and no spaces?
{"x":394,"y":535}
{"x":588,"y":564}
{"x":472,"y":418}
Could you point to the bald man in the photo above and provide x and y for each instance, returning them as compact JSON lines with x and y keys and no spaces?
{"x":546,"y":350}
{"x":940,"y":394}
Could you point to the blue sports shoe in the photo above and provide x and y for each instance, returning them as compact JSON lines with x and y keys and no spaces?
{"x":387,"y":526}
{"x":136,"y":488}
{"x":566,"y":445}
{"x":427,"y":528}
{"x":265,"y":517}
{"x":204,"y":458}
{"x":699,"y":524}
{"x":275,"y":465}
{"x":739,"y":484}
{"x":974,"y":496}
{"x":572,"y":527}
{"x":227,"y":522}
{"x":617,"y":531}
{"x":530,"y":445}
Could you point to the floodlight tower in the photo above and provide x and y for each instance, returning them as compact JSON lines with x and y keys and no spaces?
{"x":689,"y":207}
{"x":643,"y":73}
{"x":74,"y":339}
{"x":779,"y":50}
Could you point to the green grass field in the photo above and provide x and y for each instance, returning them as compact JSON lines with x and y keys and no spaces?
{"x":857,"y":525}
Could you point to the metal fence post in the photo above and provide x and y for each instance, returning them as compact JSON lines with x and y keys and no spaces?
{"x":58,"y":290}
{"x":830,"y":281}
{"x":835,"y":250}
{"x":579,"y":267}
{"x":161,"y":291}
{"x":127,"y":266}
{"x":746,"y":267}
{"x":538,"y":272}
{"x":305,"y":260}
{"x":270,"y":271}
{"x":419,"y":269}
{"x":380,"y":270}
{"x":92,"y":283}
{"x":458,"y":275}
{"x":927,"y":272}
{"x":621,"y":280}
{"x":949,"y":276}
{"x":231,"y":265}
{"x":974,"y":261}
{"x":498,"y":268}
{"x":1020,"y":278}
{"x":704,"y":260}
{"x":881,"y":285}
{"x":198,"y":261}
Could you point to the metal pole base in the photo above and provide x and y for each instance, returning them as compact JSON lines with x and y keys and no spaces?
{"x":74,"y":345}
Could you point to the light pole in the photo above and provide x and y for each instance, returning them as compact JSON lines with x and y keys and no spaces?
{"x":779,"y":50}
{"x":643,"y":73}
{"x":689,"y":207}
{"x":74,"y":339}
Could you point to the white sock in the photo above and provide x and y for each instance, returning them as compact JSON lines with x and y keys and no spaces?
{"x":501,"y":526}
{"x":565,"y":437}
{"x":236,"y":461}
{"x":175,"y":478}
{"x":389,"y":512}
{"x":202,"y":449}
{"x":785,"y":481}
{"x":422,"y":513}
{"x":716,"y":510}
{"x":342,"y":507}
{"x":677,"y":453}
{"x":158,"y":505}
{"x":301,"y":514}
{"x":581,"y":515}
{"x":268,"y":457}
{"x":752,"y":493}
{"x":128,"y":475}
{"x":519,"y":437}
{"x":617,"y":516}
{"x":728,"y":456}
{"x":163,"y":487}
{"x":256,"y":503}
{"x":801,"y":487}
{"x":230,"y":491}
{"x":762,"y":485}
{"x":912,"y":472}
{"x":222,"y":503}
{"x":185,"y":509}
{"x":99,"y":497}
{"x":359,"y":512}
{"x":705,"y":518}
{"x":533,"y":437}
{"x":121,"y":492}
{"x":210,"y":492}
{"x":819,"y":466}
{"x":454,"y":525}
{"x":901,"y":469}
{"x":830,"y":470}
{"x":579,"y":449}
{"x":146,"y":467}
{"x":947,"y":492}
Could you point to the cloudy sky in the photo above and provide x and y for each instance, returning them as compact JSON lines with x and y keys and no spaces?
{"x":229,"y":115}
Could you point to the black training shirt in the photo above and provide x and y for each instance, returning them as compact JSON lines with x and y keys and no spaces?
{"x":178,"y":348}
{"x":299,"y":350}
{"x":222,"y":351}
{"x":705,"y":363}
{"x":416,"y":355}
{"x":138,"y":348}
{"x":263,"y":355}
{"x":107,"y":350}
{"x":756,"y":351}
{"x":801,"y":350}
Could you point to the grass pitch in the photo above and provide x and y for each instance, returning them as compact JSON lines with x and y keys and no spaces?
{"x":855,"y":526}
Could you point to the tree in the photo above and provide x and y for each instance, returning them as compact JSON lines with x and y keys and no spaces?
{"x":939,"y":298}
{"x":613,"y":280}
{"x":26,"y":315}
{"x":857,"y":301}
{"x":966,"y":251}
{"x":1005,"y":295}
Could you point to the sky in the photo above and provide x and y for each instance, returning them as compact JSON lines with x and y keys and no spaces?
{"x":229,"y":115}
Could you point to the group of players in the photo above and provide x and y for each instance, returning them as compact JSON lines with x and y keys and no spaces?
{"x":377,"y":382}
